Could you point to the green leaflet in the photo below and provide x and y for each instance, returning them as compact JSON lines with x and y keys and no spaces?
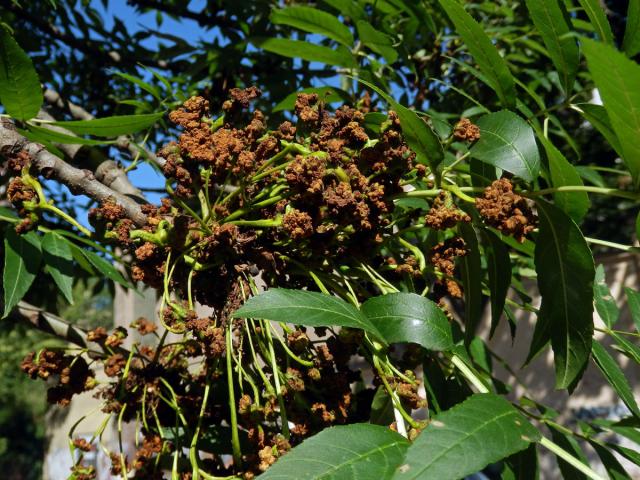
{"x":484,"y":52}
{"x":20,"y":91}
{"x":598,"y":117}
{"x":574,"y":204}
{"x":22,"y":257}
{"x":551,"y":19}
{"x":307,"y":51}
{"x":102,"y":265}
{"x":59,"y":137}
{"x":377,"y":41}
{"x":631,"y":42}
{"x":417,"y":133}
{"x":615,"y":376}
{"x":499,"y":269}
{"x":59,"y":260}
{"x":598,"y":19}
{"x":565,"y":269}
{"x":111,"y":126}
{"x":605,"y":304}
{"x":481,"y":430}
{"x":147,"y":87}
{"x":314,"y":21}
{"x":507,"y":141}
{"x":358,"y":451}
{"x":302,"y":307}
{"x":471,"y":274}
{"x":617,"y":80}
{"x":408,"y":317}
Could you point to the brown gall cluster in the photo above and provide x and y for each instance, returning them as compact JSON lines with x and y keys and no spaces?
{"x":502,"y":208}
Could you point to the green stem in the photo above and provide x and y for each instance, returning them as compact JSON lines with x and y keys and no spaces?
{"x":614,"y":192}
{"x":265,"y":223}
{"x":605,"y":243}
{"x":193,"y":449}
{"x":235,"y":438}
{"x":570,"y":459}
{"x":56,"y":211}
{"x":276,"y":377}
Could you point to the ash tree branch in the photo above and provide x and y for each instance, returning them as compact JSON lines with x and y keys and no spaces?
{"x":49,"y":323}
{"x":77,"y":180}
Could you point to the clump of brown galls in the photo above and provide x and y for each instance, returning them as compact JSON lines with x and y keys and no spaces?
{"x":444,"y":214}
{"x":507,"y":211}
{"x":464,"y":130}
{"x":443,"y":257}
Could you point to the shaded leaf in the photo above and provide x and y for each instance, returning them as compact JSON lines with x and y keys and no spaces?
{"x":22,"y":257}
{"x":20,"y":91}
{"x":551,"y":19}
{"x":617,"y":80}
{"x":631,"y":41}
{"x":147,"y":87}
{"x":377,"y":41}
{"x":565,"y":269}
{"x":522,"y":465}
{"x":408,"y":317}
{"x":471,"y":274}
{"x":499,"y":269}
{"x":568,"y":443}
{"x":633,"y":301}
{"x":306,"y":51}
{"x":486,"y":55}
{"x":508,"y":142}
{"x":314,"y":21}
{"x":481,"y":430}
{"x":302,"y":307}
{"x":111,"y":126}
{"x":57,"y":256}
{"x":104,"y":267}
{"x":614,"y":469}
{"x":604,"y":302}
{"x":336,"y":453}
{"x":597,"y":116}
{"x":574,"y":204}
{"x":615,"y":376}
{"x":598,"y":18}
